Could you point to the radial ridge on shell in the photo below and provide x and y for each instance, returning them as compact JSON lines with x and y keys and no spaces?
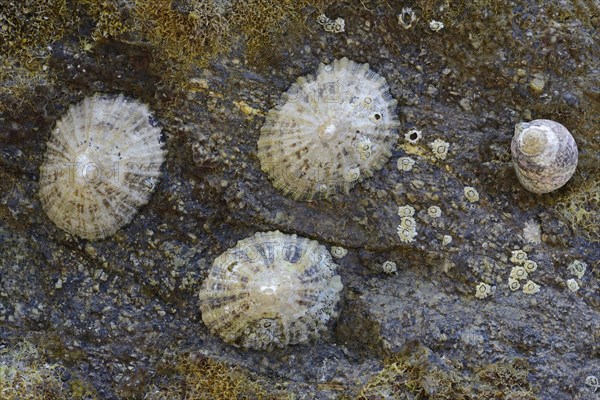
{"x":329,"y":131}
{"x":102,"y":163}
{"x":270,"y":290}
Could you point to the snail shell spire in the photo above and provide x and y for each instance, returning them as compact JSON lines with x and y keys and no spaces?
{"x":102,"y":163}
{"x":544,"y":155}
{"x":270,"y":290}
{"x":329,"y":131}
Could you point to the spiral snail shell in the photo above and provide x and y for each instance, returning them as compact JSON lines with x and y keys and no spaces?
{"x":544,"y":155}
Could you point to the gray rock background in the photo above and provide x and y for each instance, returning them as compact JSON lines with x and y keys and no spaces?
{"x":114,"y":312}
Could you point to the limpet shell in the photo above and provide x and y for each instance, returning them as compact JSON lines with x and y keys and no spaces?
{"x":329,"y":131}
{"x":102,"y":163}
{"x":271,"y":290}
{"x":544,"y":155}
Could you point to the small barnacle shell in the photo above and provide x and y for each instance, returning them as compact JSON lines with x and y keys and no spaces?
{"x":483,"y":290}
{"x":436,"y":25}
{"x":413,"y":136}
{"x":284,"y":295}
{"x":406,"y":235}
{"x":338,"y":252}
{"x":408,"y":223}
{"x":407,"y":17}
{"x":322,"y":127}
{"x":592,"y":381}
{"x":389,"y":267}
{"x":439,"y":148}
{"x":513,"y":284}
{"x":405,"y":163}
{"x":518,"y":257}
{"x":572,"y":285}
{"x":352,"y":174}
{"x":471,"y":194}
{"x":529,"y":265}
{"x":406,"y":211}
{"x":434,"y":212}
{"x":102,"y":163}
{"x":339,"y":25}
{"x":577,"y":268}
{"x":446,"y":240}
{"x":518,"y":273}
{"x":531,"y":287}
{"x":544,"y":155}
{"x":322,"y":19}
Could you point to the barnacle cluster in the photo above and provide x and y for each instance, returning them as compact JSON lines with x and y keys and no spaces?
{"x":524,"y":267}
{"x":329,"y":132}
{"x":407,"y":230}
{"x":270,"y":290}
{"x":439,"y":148}
{"x":333,"y":26}
{"x":102,"y":162}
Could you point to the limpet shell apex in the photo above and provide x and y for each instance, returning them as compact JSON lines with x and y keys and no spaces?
{"x":271,"y":290}
{"x":102,"y":163}
{"x":544,"y":155}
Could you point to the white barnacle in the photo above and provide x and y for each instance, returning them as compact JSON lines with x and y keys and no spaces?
{"x":513,"y":284}
{"x":338,"y":252}
{"x":389,"y":267}
{"x":434,"y":212}
{"x":593,"y":382}
{"x":407,"y":17}
{"x":339,"y":25}
{"x":530,"y":265}
{"x":439,"y":148}
{"x":375,"y":117}
{"x":436,"y":25}
{"x":531,"y":287}
{"x":518,"y":273}
{"x":405,"y":163}
{"x":572,"y":285}
{"x":322,"y":19}
{"x":363,"y":145}
{"x":483,"y":290}
{"x":408,"y":223}
{"x":413,"y":136}
{"x":518,"y":257}
{"x":446,"y":240}
{"x":406,"y":234}
{"x":352,"y":174}
{"x":406,"y":211}
{"x":471,"y":194}
{"x":577,"y":268}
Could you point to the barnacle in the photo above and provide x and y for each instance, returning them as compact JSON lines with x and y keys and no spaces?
{"x":544,"y":155}
{"x":408,"y":223}
{"x":471,"y":194}
{"x":434,"y":212}
{"x":270,"y":290}
{"x":338,"y":252}
{"x":101,"y":162}
{"x":439,"y":149}
{"x":483,"y":290}
{"x":436,"y":25}
{"x":413,"y":136}
{"x":407,"y":234}
{"x":446,"y":240}
{"x":389,"y":267}
{"x":513,"y":284}
{"x":407,"y":17}
{"x":405,"y":163}
{"x":518,"y":256}
{"x":529,"y":265}
{"x":577,"y":268}
{"x":572,"y":285}
{"x":341,"y":119}
{"x":593,"y":382}
{"x":531,"y":287}
{"x":518,"y":273}
{"x":406,"y":211}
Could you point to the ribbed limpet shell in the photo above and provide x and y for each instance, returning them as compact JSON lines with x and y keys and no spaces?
{"x":544,"y":155}
{"x":270,"y":290}
{"x":329,"y":131}
{"x":102,"y":163}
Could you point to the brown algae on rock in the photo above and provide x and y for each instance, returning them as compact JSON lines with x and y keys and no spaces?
{"x":102,"y":162}
{"x":329,"y":132}
{"x":271,"y":290}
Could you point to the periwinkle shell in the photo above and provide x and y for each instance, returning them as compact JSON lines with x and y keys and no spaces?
{"x":544,"y":155}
